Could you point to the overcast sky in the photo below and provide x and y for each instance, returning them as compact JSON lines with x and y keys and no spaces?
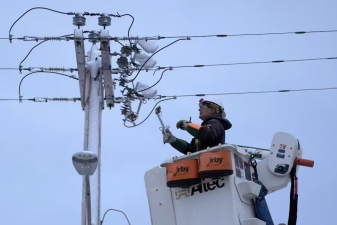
{"x":38,"y":184}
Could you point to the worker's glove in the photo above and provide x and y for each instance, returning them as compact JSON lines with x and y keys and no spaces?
{"x":168,"y":137}
{"x":263,"y":191}
{"x":182,"y":124}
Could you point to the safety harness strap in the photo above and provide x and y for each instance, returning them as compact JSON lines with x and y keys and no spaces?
{"x":293,"y":198}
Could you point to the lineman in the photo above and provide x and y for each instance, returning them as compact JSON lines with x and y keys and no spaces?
{"x":209,"y":134}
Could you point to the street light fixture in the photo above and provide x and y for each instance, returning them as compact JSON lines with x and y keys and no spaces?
{"x":85,"y":164}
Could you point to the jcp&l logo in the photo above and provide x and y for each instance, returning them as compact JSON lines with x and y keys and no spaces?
{"x":181,"y":169}
{"x":214,"y":160}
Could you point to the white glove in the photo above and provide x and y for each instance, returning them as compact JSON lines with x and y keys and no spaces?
{"x":168,"y":137}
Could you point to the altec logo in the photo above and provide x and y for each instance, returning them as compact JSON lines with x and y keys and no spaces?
{"x":200,"y":188}
{"x":214,"y":160}
{"x":181,"y":169}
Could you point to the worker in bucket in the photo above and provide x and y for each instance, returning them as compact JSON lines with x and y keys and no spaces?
{"x":209,"y":134}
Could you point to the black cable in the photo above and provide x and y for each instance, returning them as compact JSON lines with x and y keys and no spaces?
{"x":152,"y":56}
{"x":44,"y":72}
{"x":133,"y":20}
{"x":33,"y":9}
{"x":247,"y":63}
{"x":116,"y":211}
{"x":254,"y":92}
{"x":11,"y":99}
{"x":149,"y":114}
{"x":36,"y":46}
{"x":156,"y":70}
{"x":8,"y":68}
{"x":257,"y":34}
{"x":119,"y":43}
{"x":157,"y":81}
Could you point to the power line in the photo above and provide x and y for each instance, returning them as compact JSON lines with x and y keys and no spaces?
{"x":15,"y":99}
{"x":116,"y":211}
{"x":156,"y":82}
{"x":35,"y":47}
{"x":149,"y":113}
{"x":73,"y":77}
{"x":252,"y":92}
{"x":10,"y":36}
{"x":230,"y":35}
{"x":248,"y":63}
{"x":222,"y":64}
{"x":254,"y":34}
{"x":133,"y":20}
{"x":43,"y":99}
{"x":9,"y":68}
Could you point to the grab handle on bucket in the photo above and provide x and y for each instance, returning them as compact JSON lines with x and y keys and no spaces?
{"x":303,"y":162}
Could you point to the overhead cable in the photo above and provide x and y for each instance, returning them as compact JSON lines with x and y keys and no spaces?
{"x":253,"y":34}
{"x":133,"y":20}
{"x":43,"y":99}
{"x":73,"y":77}
{"x":35,"y":47}
{"x":116,"y":211}
{"x":252,"y":92}
{"x":66,"y":13}
{"x":149,"y":113}
{"x":156,"y":82}
{"x":210,"y":65}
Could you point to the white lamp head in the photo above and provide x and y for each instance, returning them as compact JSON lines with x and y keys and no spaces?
{"x":85,"y":162}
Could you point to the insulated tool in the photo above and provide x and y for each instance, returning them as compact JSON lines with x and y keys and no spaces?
{"x":163,"y":128}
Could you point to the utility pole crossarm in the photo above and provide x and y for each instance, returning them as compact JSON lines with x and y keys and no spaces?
{"x":80,"y":59}
{"x":106,"y":68}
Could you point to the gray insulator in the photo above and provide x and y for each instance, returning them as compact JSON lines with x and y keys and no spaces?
{"x":127,"y":50}
{"x":104,"y":20}
{"x":79,"y":20}
{"x":94,"y":36}
{"x":122,"y":62}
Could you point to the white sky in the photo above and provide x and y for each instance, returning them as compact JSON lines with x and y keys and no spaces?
{"x":38,"y":183}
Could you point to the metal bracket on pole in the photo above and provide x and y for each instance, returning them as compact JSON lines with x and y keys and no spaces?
{"x":80,"y":58}
{"x":106,"y":68}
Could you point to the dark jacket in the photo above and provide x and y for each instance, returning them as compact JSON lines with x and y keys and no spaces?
{"x":211,"y":133}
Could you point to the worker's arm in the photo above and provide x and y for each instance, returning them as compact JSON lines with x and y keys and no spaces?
{"x":180,"y":145}
{"x":193,"y":129}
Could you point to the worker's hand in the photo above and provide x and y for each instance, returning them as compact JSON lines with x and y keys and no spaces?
{"x":168,"y":137}
{"x":182,"y":124}
{"x":263,"y":191}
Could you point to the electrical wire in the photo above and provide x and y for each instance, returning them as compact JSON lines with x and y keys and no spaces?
{"x":248,"y":63}
{"x":252,"y":92}
{"x":152,"y":56}
{"x":38,"y":45}
{"x":44,"y":72}
{"x":256,"y":34}
{"x":229,"y":64}
{"x":157,"y":81}
{"x":33,"y":9}
{"x":149,"y":113}
{"x":133,"y":20}
{"x":11,"y":99}
{"x":116,"y":211}
{"x":8,"y":68}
